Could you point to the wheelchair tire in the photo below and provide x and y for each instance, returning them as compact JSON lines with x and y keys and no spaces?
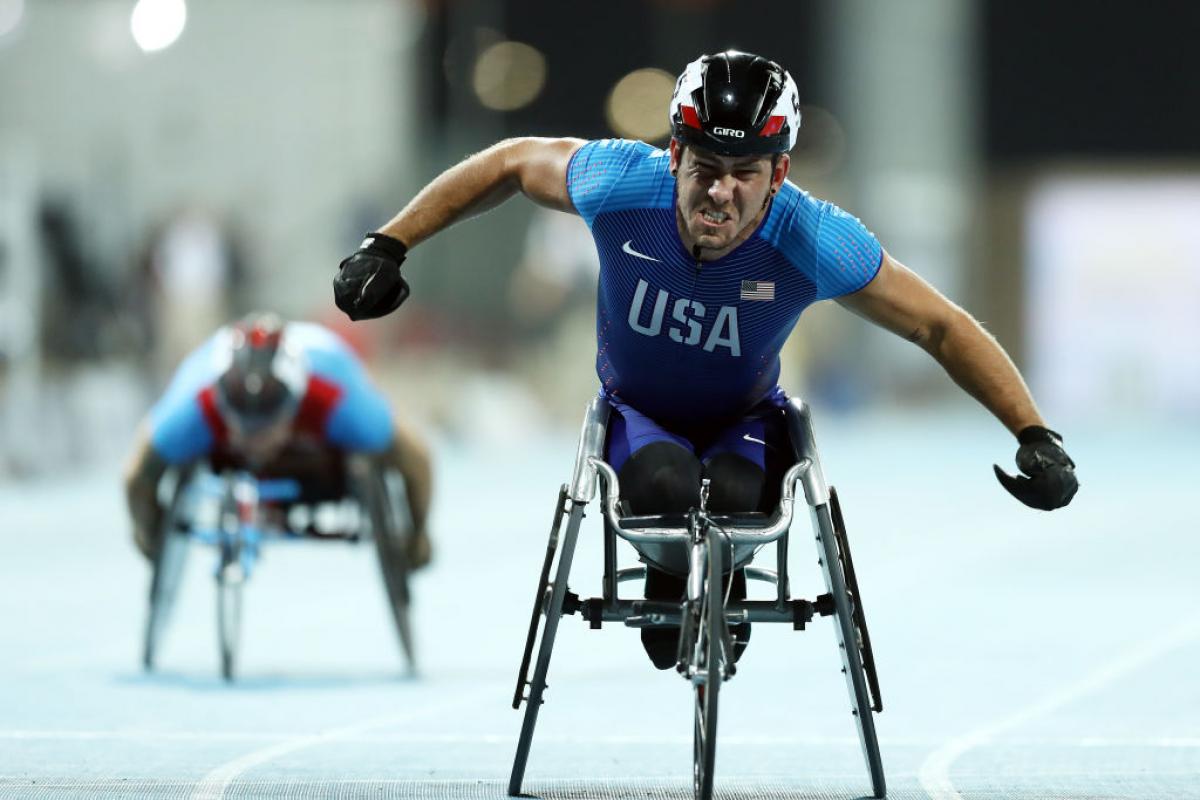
{"x":393,"y":563}
{"x":851,"y":640}
{"x":229,"y":617}
{"x":164,"y":586}
{"x":166,"y":575}
{"x":860,"y":619}
{"x":706,"y":691}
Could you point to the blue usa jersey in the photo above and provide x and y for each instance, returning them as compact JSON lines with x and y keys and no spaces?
{"x":340,"y":406}
{"x":687,"y":342}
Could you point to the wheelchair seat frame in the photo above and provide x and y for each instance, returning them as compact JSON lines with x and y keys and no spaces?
{"x":225,"y":510}
{"x":705,"y":649}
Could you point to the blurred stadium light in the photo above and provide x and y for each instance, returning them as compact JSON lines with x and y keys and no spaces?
{"x":157,"y":24}
{"x":508,"y":75}
{"x":820,"y":147}
{"x":636,"y":107}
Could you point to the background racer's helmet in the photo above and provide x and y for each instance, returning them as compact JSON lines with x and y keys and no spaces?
{"x":736,"y":104}
{"x":265,"y":377}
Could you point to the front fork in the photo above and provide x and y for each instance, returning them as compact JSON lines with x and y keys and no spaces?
{"x":704,"y":587}
{"x":239,"y":529}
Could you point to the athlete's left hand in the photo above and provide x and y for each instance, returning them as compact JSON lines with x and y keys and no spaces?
{"x":1051,"y":483}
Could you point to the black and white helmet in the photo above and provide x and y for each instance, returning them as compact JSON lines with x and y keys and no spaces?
{"x":736,"y":104}
{"x":263,"y":376}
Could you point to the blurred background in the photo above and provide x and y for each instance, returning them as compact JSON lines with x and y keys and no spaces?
{"x":167,"y":165}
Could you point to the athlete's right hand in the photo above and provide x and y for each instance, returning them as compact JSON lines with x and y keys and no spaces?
{"x":368,"y":284}
{"x":1051,"y":483}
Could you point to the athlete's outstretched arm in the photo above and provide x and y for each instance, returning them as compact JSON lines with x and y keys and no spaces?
{"x":144,"y":467}
{"x":899,"y":300}
{"x":533,"y":166}
{"x":368,"y":283}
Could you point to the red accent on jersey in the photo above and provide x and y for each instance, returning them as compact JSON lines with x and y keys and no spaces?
{"x":690,"y":117}
{"x":320,"y":398}
{"x":208,"y":406}
{"x":773,"y":126}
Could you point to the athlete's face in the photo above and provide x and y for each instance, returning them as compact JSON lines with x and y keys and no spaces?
{"x":722,"y":198}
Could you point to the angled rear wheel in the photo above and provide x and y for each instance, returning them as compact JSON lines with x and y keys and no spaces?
{"x":166,"y":575}
{"x":164,"y":586}
{"x":858,"y":662}
{"x":393,"y":562}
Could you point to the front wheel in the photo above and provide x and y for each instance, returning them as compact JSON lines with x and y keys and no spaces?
{"x":707,"y":678}
{"x":229,"y":617}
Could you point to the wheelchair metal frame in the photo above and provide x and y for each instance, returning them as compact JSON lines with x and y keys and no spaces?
{"x":699,"y":530}
{"x":233,"y":500}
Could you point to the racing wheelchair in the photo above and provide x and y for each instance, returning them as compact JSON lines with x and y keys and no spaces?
{"x":713,"y":545}
{"x":235,"y":513}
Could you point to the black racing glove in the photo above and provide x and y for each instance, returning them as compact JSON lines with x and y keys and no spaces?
{"x":368,"y":284}
{"x":1051,"y":483}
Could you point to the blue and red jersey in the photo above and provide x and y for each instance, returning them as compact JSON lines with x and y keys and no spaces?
{"x":687,"y":342}
{"x":340,"y":408}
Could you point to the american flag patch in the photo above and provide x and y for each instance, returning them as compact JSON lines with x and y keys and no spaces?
{"x":758,"y":290}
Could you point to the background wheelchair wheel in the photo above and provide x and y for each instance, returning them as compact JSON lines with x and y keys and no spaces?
{"x":166,"y":574}
{"x":164,"y":586}
{"x":393,"y":563}
{"x":229,"y":617}
{"x":707,"y":690}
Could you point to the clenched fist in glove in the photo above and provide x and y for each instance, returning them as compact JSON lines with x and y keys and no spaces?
{"x":368,"y":284}
{"x":1051,"y":481}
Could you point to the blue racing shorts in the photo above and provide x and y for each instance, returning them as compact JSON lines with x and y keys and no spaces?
{"x":761,"y":435}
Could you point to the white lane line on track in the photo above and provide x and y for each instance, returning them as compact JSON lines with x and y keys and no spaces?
{"x":934,"y":773}
{"x":213,"y":785}
{"x":1156,"y":742}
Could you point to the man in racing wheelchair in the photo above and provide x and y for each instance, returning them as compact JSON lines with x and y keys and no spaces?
{"x":708,"y":256}
{"x":278,"y":400}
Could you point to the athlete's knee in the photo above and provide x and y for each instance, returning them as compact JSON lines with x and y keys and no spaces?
{"x":661,"y":478}
{"x":738,"y":484}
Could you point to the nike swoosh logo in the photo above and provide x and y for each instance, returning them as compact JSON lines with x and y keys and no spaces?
{"x":362,"y":290}
{"x":767,"y":445}
{"x":627,"y":247}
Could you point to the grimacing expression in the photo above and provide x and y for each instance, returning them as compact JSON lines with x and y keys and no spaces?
{"x":722,"y":198}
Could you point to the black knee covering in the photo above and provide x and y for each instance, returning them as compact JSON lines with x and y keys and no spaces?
{"x":738,"y":484}
{"x":662,"y":644}
{"x":661,"y":478}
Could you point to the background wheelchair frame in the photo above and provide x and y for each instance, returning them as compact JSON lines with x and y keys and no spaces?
{"x":238,"y":533}
{"x":842,"y":600}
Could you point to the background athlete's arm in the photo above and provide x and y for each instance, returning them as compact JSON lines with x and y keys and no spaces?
{"x":143,"y":470}
{"x":409,"y":456}
{"x":899,"y":300}
{"x":535,"y":167}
